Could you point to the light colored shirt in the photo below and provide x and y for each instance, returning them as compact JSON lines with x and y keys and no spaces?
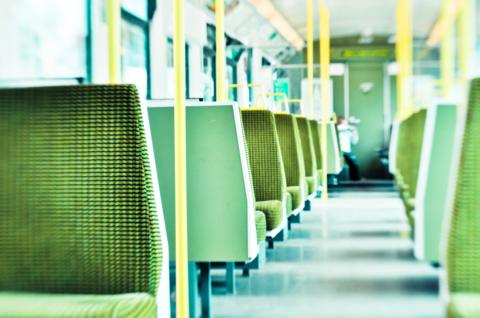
{"x":348,"y":136}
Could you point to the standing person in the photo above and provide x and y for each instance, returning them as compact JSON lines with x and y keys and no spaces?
{"x":348,"y":135}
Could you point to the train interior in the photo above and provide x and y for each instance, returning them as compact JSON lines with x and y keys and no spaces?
{"x":240,"y":158}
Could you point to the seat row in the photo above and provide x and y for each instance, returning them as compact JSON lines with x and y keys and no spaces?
{"x":440,"y":192}
{"x":83,"y":227}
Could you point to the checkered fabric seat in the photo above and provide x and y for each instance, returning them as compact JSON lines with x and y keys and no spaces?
{"x":408,"y":159}
{"x":290,"y":144}
{"x":314,"y":127}
{"x":266,"y":165}
{"x":78,"y":230}
{"x":308,"y":151}
{"x":261,"y":226}
{"x":463,"y":252}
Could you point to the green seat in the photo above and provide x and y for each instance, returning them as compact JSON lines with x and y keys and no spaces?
{"x":266,"y":165}
{"x":220,"y":196}
{"x":464,"y":306}
{"x":79,"y":214}
{"x":335,"y":160}
{"x":308,"y":152}
{"x":411,"y":132}
{"x":290,"y":144}
{"x":317,"y":146}
{"x":434,"y":180}
{"x":261,"y":226}
{"x":296,"y":193}
{"x":273,"y":212}
{"x":463,"y":247}
{"x":289,"y":203}
{"x":26,"y":305}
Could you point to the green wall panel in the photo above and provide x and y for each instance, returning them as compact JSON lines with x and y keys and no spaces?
{"x":369,"y":108}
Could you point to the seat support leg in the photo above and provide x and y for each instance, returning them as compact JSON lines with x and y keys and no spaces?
{"x":308,"y":206}
{"x":294,"y":219}
{"x":205,"y":289}
{"x":230,"y":278}
{"x":281,"y":236}
{"x":193,"y":289}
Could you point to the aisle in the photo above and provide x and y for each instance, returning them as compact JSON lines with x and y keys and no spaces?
{"x":364,"y":269}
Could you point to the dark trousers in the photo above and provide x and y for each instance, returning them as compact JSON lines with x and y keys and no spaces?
{"x":353,"y":167}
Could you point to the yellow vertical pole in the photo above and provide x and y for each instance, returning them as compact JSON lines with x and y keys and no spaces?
{"x":181,"y":238}
{"x":447,"y":49}
{"x":310,"y":50}
{"x":466,"y":40}
{"x":404,"y":54}
{"x":408,"y":98}
{"x":220,"y":39}
{"x":399,"y":58}
{"x":114,"y":36}
{"x":325,"y":90}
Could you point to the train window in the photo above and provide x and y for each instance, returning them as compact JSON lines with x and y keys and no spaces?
{"x":48,"y":41}
{"x":171,"y":68}
{"x":138,"y":8}
{"x":134,"y":56}
{"x":135,"y":45}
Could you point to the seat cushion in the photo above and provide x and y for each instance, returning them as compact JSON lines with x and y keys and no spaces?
{"x":273,"y":212}
{"x":289,"y":204}
{"x":311,"y":185}
{"x":319,"y":177}
{"x":297,"y":196}
{"x":26,"y":305}
{"x":261,"y":226}
{"x":464,"y":305}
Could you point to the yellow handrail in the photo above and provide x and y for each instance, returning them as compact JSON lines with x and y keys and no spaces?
{"x":114,"y":38}
{"x":466,"y":28}
{"x":404,"y":52}
{"x":250,"y":85}
{"x":283,"y":95}
{"x":310,"y":52}
{"x":325,"y":80}
{"x":181,"y":234}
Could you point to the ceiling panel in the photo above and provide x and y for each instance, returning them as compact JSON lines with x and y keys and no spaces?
{"x":352,"y":17}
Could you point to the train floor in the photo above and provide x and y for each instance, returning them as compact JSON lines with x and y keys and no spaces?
{"x":363,"y":268}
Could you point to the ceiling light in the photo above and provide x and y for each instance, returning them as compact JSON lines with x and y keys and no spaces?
{"x":266,"y":9}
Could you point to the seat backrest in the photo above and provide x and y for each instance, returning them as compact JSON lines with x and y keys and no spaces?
{"x":266,"y":164}
{"x":289,"y":139}
{"x":307,"y":146}
{"x":314,"y":127}
{"x":434,"y":180}
{"x":410,"y":148}
{"x":78,"y":212}
{"x":463,"y":252}
{"x":220,"y":200}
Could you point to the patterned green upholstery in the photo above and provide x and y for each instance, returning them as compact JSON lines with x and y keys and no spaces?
{"x":266,"y":163}
{"x":261,"y":226}
{"x":76,"y":195}
{"x":463,"y":252}
{"x":408,"y":158}
{"x":26,"y":305}
{"x":317,"y":146}
{"x":289,"y":202}
{"x":464,"y":306}
{"x":273,"y":211}
{"x":308,"y":151}
{"x":297,"y":196}
{"x":289,"y":138}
